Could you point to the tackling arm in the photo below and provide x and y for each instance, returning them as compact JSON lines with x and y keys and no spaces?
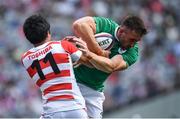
{"x":85,"y":61}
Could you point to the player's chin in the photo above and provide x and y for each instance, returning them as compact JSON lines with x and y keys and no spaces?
{"x":124,"y":47}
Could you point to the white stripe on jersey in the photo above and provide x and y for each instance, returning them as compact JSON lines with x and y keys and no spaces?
{"x":57,"y":93}
{"x":56,"y":81}
{"x":62,"y":66}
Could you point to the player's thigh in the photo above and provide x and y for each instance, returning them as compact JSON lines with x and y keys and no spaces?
{"x":79,"y":113}
{"x":94,"y":111}
{"x":94,"y":101}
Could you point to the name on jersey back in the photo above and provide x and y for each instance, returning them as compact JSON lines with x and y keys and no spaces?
{"x":39,"y":53}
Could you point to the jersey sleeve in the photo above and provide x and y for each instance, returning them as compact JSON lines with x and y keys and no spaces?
{"x":105,"y":25}
{"x":72,"y":50}
{"x":131,"y":55}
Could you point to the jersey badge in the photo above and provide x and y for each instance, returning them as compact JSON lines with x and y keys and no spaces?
{"x":121,"y":51}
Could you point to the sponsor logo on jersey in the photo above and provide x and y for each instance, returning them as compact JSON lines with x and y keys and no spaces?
{"x":39,"y":53}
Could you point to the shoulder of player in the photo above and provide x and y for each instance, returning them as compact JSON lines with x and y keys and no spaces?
{"x":101,"y":18}
{"x":65,"y":43}
{"x":136,"y":46}
{"x":132,"y":50}
{"x":33,"y":50}
{"x":117,"y":50}
{"x":25,"y":54}
{"x":68,"y":46}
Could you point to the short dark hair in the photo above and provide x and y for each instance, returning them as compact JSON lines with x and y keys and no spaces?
{"x":135,"y":23}
{"x":36,"y":28}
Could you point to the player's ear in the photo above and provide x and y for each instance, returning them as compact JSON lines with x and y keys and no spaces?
{"x":48,"y":35}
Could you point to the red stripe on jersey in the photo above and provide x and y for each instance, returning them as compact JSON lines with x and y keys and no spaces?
{"x":52,"y":75}
{"x":59,"y":58}
{"x":62,"y":86}
{"x":61,"y":97}
{"x":68,"y":46}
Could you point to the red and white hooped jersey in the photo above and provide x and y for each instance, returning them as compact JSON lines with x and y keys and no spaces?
{"x":50,"y":67}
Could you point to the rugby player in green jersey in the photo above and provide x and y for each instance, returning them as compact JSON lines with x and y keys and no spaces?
{"x":123,"y":54}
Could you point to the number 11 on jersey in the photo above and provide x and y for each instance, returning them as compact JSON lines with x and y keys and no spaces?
{"x":48,"y":57}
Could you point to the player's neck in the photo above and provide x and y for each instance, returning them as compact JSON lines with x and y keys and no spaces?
{"x":45,"y":41}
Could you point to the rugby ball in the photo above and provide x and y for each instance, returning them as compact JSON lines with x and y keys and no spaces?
{"x":105,"y":40}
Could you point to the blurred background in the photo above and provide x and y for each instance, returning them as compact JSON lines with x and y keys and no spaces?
{"x":156,"y":75}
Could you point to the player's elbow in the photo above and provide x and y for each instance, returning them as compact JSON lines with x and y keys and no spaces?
{"x":109,"y":71}
{"x":110,"y":68}
{"x":76,"y":25}
{"x":121,"y":66}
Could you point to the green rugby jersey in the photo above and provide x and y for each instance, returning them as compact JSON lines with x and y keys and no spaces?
{"x":95,"y":78}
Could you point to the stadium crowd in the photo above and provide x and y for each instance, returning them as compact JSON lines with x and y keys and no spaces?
{"x":156,"y":72}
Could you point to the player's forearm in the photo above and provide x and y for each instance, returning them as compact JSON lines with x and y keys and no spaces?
{"x":116,"y":63}
{"x":85,"y":61}
{"x":102,"y":67}
{"x":85,"y":28}
{"x":102,"y":63}
{"x":88,"y":64}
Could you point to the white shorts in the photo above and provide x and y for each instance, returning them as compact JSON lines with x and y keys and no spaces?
{"x":94,"y":101}
{"x":79,"y":114}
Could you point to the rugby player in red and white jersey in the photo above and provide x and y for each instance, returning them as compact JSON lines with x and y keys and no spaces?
{"x":49,"y":64}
